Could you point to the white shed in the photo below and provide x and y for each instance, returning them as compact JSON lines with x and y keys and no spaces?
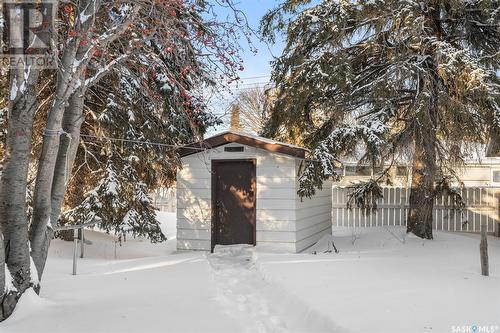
{"x":236,"y":188}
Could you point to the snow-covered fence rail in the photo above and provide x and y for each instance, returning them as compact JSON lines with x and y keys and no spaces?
{"x":482,"y":206}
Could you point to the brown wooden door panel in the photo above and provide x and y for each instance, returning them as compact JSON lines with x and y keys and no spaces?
{"x":233,"y":202}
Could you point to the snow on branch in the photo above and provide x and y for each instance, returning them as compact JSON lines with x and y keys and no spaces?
{"x":323,"y":162}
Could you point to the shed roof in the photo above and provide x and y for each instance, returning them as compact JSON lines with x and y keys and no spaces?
{"x":245,"y":139}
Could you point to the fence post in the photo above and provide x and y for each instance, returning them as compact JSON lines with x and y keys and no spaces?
{"x":497,"y":227}
{"x":82,"y":243}
{"x":483,"y":250}
{"x":75,"y":249}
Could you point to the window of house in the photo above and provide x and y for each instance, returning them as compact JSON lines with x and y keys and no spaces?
{"x":339,"y":171}
{"x":495,"y":176}
{"x":363,"y":171}
{"x":401,"y":171}
{"x":350,"y":170}
{"x":358,"y":170}
{"x":378,"y":170}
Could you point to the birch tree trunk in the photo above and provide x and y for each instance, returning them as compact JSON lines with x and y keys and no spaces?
{"x":39,"y":234}
{"x":74,"y":60}
{"x":13,"y":184}
{"x":13,"y":213}
{"x":57,"y":159}
{"x":22,"y":106}
{"x":72,"y":122}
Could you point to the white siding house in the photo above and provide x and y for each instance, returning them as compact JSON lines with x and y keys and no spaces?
{"x":207,"y":213}
{"x":481,"y":168}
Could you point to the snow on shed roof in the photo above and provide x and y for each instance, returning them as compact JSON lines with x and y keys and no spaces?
{"x":245,"y":139}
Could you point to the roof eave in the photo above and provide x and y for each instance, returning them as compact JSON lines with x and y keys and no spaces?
{"x":229,"y":137}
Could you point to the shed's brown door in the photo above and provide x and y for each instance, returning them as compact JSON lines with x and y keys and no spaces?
{"x":233,"y":202}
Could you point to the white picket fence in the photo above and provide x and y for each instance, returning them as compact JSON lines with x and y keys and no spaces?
{"x":482,"y":206}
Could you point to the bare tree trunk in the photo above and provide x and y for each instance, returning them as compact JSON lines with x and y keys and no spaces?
{"x":40,"y":235}
{"x":74,"y":60}
{"x":13,"y":184}
{"x":483,"y":250}
{"x":72,"y":122}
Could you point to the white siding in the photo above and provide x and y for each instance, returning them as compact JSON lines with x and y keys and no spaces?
{"x":471,"y":175}
{"x":275,"y":202}
{"x":283,"y":220}
{"x":314,"y":216}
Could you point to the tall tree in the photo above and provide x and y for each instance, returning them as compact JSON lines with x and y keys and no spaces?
{"x":179,"y":46}
{"x":83,"y":65}
{"x":126,"y":117}
{"x":235,"y":114}
{"x":388,"y":77}
{"x":252,"y":105}
{"x":21,"y":107}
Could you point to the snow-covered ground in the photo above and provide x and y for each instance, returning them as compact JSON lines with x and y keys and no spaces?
{"x":380,"y":281}
{"x":385,"y":281}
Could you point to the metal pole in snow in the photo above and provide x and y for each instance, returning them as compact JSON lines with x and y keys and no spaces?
{"x":75,"y":249}
{"x":82,"y":243}
{"x":75,"y":229}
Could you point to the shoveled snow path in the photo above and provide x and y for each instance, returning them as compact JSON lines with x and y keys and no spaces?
{"x":259,"y":305}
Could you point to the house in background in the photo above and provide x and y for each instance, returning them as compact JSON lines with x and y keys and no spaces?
{"x":237,"y":188}
{"x":480,"y":170}
{"x":479,"y":188}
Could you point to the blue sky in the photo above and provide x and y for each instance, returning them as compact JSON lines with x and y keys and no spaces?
{"x":257,"y":66}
